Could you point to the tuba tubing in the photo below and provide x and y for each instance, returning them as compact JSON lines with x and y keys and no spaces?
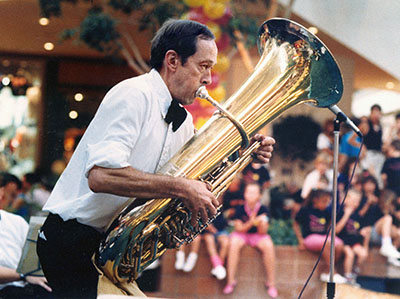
{"x":295,"y":67}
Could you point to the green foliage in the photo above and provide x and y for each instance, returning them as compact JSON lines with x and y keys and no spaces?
{"x":100,"y":31}
{"x":296,"y":137}
{"x":52,"y":8}
{"x":281,"y":232}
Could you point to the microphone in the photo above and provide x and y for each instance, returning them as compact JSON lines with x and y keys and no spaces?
{"x":343,"y":117}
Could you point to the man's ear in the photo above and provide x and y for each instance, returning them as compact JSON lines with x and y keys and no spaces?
{"x":171,"y":60}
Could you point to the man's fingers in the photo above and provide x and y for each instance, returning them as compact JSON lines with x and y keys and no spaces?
{"x":46,"y":286}
{"x":204,"y":215}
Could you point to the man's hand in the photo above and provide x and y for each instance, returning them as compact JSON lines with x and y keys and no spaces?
{"x":200,"y":200}
{"x":264,"y":152}
{"x":41,"y":281}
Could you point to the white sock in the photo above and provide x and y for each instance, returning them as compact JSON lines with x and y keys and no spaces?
{"x":386,"y":241}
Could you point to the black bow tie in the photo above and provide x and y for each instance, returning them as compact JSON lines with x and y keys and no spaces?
{"x":176,"y":114}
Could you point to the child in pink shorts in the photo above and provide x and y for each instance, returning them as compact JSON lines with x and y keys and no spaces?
{"x":311,"y":225}
{"x":250,"y":228}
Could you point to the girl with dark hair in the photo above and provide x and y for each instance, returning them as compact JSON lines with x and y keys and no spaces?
{"x":311,"y":226}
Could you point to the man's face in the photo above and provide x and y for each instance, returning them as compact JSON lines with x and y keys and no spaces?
{"x":195,"y":72}
{"x":375,"y":115}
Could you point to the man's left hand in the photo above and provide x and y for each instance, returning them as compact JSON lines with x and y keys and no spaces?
{"x":264,"y":152}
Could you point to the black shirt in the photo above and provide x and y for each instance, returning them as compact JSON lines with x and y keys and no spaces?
{"x":313,"y":221}
{"x":391,"y":168}
{"x":373,"y":140}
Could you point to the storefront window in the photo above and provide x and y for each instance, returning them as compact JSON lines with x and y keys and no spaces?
{"x":20,"y":111}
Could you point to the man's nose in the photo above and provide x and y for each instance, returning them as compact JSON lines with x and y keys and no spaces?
{"x":207,"y":78}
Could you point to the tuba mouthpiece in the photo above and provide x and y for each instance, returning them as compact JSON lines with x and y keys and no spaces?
{"x":202,"y":93}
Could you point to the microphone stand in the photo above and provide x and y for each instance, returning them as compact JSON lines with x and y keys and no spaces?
{"x":330,"y":289}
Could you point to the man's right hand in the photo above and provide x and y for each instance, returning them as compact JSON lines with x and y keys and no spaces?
{"x":200,"y":200}
{"x":41,"y":281}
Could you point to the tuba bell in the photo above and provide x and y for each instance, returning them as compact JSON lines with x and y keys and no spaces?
{"x":295,"y":67}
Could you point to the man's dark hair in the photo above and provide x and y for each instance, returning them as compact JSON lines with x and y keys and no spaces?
{"x":397,"y":116}
{"x":180,"y":36}
{"x":376,"y":106}
{"x":6,"y":178}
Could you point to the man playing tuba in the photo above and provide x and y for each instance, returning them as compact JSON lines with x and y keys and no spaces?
{"x":138,"y":127}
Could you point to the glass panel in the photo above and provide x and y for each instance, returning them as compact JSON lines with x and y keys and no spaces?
{"x":20,"y":111}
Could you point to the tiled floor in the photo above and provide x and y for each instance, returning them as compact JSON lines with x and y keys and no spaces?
{"x":292,"y":270}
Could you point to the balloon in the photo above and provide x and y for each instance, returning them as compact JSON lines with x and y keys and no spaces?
{"x":194,"y":3}
{"x":214,"y":10}
{"x":223,"y":63}
{"x":200,"y":122}
{"x":218,"y":93}
{"x":196,"y":14}
{"x":215,"y":29}
{"x":224,"y":20}
{"x":224,"y":42}
{"x":214,"y":80}
{"x":205,"y":104}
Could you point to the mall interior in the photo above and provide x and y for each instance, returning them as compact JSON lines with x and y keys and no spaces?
{"x":50,"y":89}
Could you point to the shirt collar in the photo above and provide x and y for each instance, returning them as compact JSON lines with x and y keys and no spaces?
{"x":161,"y":90}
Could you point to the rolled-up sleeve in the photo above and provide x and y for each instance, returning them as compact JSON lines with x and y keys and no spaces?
{"x":118,"y":123}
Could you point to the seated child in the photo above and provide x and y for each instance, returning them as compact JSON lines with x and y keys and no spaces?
{"x":311,"y":226}
{"x":348,"y":229}
{"x":250,"y":228}
{"x":216,"y":234}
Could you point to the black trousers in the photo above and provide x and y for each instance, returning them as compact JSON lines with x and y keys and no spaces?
{"x":65,"y":249}
{"x":30,"y":291}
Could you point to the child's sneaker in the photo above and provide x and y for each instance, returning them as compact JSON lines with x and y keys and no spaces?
{"x":190,"y":262}
{"x":219,"y":272}
{"x":180,"y":260}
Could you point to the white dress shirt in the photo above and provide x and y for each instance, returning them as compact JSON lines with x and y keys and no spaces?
{"x":13,"y":232}
{"x":128,"y":130}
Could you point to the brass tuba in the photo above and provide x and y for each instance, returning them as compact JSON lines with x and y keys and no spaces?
{"x":295,"y":67}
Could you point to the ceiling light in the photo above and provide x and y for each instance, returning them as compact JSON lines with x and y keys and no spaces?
{"x":5,"y":81}
{"x":390,"y":85}
{"x":48,"y":46}
{"x":73,"y":114}
{"x":78,"y":97}
{"x":313,"y":30}
{"x":44,"y":21}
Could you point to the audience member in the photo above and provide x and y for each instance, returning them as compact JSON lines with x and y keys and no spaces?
{"x":348,"y":229}
{"x":350,"y":142}
{"x":392,"y":134}
{"x":325,"y":138}
{"x":386,"y":226}
{"x":320,"y":177}
{"x":233,"y":197}
{"x":311,"y":226}
{"x":373,"y":219}
{"x":374,"y":157}
{"x":13,"y":232}
{"x":258,"y":173}
{"x":216,"y":236}
{"x":32,"y":197}
{"x":391,"y":168}
{"x":395,"y":212}
{"x":250,"y":228}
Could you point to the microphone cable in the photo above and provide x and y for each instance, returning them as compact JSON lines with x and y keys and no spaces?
{"x":338,"y":211}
